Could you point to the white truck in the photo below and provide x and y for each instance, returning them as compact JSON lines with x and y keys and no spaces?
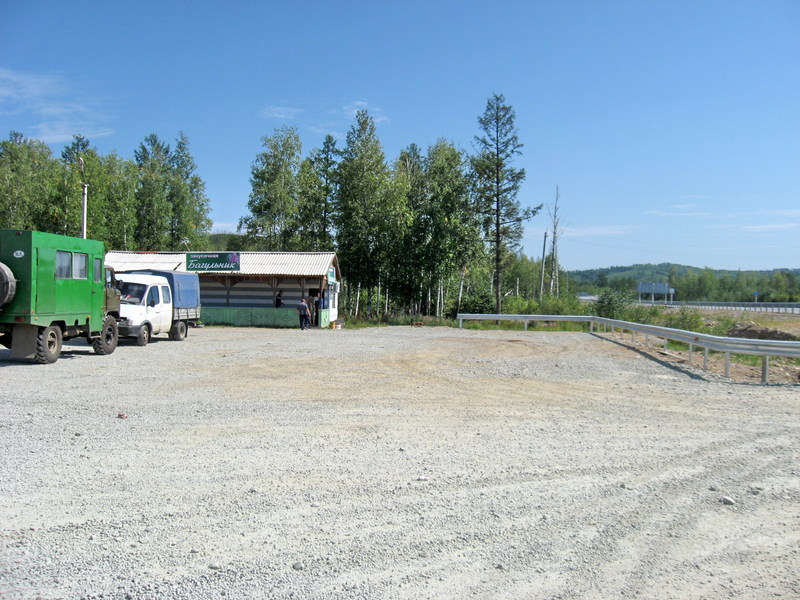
{"x":153,"y":302}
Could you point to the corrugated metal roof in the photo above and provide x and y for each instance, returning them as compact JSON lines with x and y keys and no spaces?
{"x":301,"y":264}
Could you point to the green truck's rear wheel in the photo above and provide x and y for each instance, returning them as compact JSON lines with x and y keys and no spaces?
{"x":48,"y":345}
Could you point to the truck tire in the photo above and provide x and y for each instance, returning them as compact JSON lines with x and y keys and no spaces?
{"x":178,"y":331}
{"x":8,"y":285}
{"x":109,"y":337}
{"x":48,"y":345}
{"x":144,"y":335}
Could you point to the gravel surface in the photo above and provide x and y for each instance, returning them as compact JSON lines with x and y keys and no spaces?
{"x":393,"y":463}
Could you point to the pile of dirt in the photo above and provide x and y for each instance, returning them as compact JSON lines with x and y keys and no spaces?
{"x":754,"y":331}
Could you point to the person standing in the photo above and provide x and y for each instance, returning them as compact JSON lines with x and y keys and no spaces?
{"x":279,"y":299}
{"x":312,"y":312}
{"x":317,"y":306}
{"x":302,"y":312}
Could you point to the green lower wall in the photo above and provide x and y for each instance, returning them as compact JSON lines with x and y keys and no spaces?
{"x":258,"y":317}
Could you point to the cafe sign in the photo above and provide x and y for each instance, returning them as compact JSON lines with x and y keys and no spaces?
{"x":212,"y":261}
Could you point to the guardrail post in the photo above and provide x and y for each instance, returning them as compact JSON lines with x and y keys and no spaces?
{"x":765,"y":369}
{"x":705,"y":359}
{"x":727,"y":364}
{"x":461,"y":323}
{"x":691,"y":348}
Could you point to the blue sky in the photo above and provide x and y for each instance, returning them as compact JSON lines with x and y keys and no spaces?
{"x":671,"y":128}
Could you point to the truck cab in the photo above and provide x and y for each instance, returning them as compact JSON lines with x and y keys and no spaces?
{"x":145,"y":306}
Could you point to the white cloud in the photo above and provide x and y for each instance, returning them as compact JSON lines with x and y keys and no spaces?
{"x":678,"y":210}
{"x":53,"y":111}
{"x":56,"y":132}
{"x":280,"y":112}
{"x":608,"y":230}
{"x":27,"y":87}
{"x":770,"y":227}
{"x":762,"y":227}
{"x":377,"y":114}
{"x":786,"y":212}
{"x":325,"y":129}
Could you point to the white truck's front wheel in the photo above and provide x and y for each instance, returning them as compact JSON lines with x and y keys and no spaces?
{"x":144,"y":335}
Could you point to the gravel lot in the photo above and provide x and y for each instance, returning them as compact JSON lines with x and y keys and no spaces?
{"x":393,"y":463}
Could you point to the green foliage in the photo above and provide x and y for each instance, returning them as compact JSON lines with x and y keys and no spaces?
{"x":648,"y":314}
{"x":316,"y":190}
{"x":155,"y":203}
{"x":477,"y":300}
{"x":29,"y":183}
{"x":687,"y":318}
{"x":189,"y":206}
{"x":272,"y":223}
{"x":368,"y":215}
{"x":519,"y":305}
{"x":560,"y":305}
{"x":496,"y":183}
{"x":611,"y":305}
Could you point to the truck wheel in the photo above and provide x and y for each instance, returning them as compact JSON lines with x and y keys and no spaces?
{"x":144,"y":336}
{"x":109,"y":337}
{"x":178,"y":331}
{"x":48,"y":345}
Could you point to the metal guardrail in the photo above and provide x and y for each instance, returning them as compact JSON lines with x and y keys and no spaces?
{"x":763,"y":348}
{"x":777,"y":307}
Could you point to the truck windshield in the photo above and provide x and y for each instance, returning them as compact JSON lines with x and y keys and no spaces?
{"x":131,"y":292}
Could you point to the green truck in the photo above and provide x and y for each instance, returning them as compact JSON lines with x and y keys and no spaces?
{"x":54,"y":288}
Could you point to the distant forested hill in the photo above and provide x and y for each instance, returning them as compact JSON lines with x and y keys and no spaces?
{"x":661,"y":272}
{"x":693,"y":283}
{"x":647,"y":272}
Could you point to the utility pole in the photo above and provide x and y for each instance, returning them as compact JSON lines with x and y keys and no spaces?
{"x":85,"y":195}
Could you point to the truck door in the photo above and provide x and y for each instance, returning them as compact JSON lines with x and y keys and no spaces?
{"x":166,"y":302}
{"x":45,"y":281}
{"x":155,"y":309}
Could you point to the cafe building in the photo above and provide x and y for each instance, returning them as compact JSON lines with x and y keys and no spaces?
{"x":251,"y":288}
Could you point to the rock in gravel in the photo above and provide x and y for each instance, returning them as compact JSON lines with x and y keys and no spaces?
{"x":728,"y":500}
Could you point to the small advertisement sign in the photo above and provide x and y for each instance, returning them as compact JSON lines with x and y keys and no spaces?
{"x":331,"y":275}
{"x":212,"y":261}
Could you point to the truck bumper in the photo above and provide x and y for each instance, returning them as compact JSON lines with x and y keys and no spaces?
{"x":126,"y":330}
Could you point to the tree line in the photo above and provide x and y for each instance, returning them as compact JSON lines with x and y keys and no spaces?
{"x":433,"y":231}
{"x":417,"y":234}
{"x":156,"y":201}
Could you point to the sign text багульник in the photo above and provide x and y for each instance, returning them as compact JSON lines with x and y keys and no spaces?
{"x":212,"y":261}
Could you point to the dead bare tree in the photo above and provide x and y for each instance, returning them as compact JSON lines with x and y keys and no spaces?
{"x":554,"y":220}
